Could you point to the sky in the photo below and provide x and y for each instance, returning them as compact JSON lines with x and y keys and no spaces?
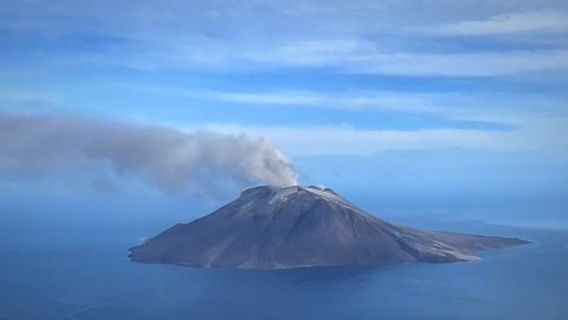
{"x":321,"y":80}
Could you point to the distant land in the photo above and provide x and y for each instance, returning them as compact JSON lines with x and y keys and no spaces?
{"x":297,"y":227}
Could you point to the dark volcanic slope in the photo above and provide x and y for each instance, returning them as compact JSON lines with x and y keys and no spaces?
{"x":272,"y":228}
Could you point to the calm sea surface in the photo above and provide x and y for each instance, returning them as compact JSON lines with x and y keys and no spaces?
{"x":528,"y":282}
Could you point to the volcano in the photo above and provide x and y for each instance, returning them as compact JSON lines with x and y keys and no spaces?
{"x":295,"y":227}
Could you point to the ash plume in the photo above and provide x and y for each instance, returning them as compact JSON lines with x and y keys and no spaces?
{"x":170,"y":159}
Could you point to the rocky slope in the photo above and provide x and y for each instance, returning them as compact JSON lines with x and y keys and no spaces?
{"x":276,"y":228}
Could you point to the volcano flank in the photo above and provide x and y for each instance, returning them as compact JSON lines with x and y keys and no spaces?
{"x":294,"y":227}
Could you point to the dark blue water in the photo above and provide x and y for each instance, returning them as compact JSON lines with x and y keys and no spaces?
{"x":522,"y":283}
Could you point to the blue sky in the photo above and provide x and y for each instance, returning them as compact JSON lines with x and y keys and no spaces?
{"x":317,"y":78}
{"x":451,"y":109}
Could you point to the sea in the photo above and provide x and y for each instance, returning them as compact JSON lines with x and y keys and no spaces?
{"x":97,"y":281}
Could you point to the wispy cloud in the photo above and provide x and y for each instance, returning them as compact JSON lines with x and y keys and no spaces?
{"x":219,"y":36}
{"x":485,"y":107}
{"x":290,"y":98}
{"x":355,"y":101}
{"x":316,"y":52}
{"x":487,"y":64}
{"x":355,"y":57}
{"x":13,"y":99}
{"x":366,"y":57}
{"x":337,"y":73}
{"x":450,"y":105}
{"x":510,"y":23}
{"x":539,"y":134}
{"x":308,"y":141}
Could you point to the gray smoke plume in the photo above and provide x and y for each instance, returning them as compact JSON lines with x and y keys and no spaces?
{"x":173,"y":160}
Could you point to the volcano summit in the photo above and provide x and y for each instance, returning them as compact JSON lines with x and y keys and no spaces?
{"x":294,"y":227}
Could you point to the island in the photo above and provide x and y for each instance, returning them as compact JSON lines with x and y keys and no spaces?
{"x":298,"y":227}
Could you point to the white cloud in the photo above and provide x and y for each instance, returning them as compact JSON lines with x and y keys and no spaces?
{"x":511,"y":23}
{"x":488,"y":107}
{"x":451,"y":105}
{"x":230,"y":36}
{"x":293,"y":98}
{"x":536,"y":134}
{"x":307,"y":141}
{"x":467,"y":64}
{"x":315,"y":52}
{"x":365,"y":57}
{"x":353,"y":101}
